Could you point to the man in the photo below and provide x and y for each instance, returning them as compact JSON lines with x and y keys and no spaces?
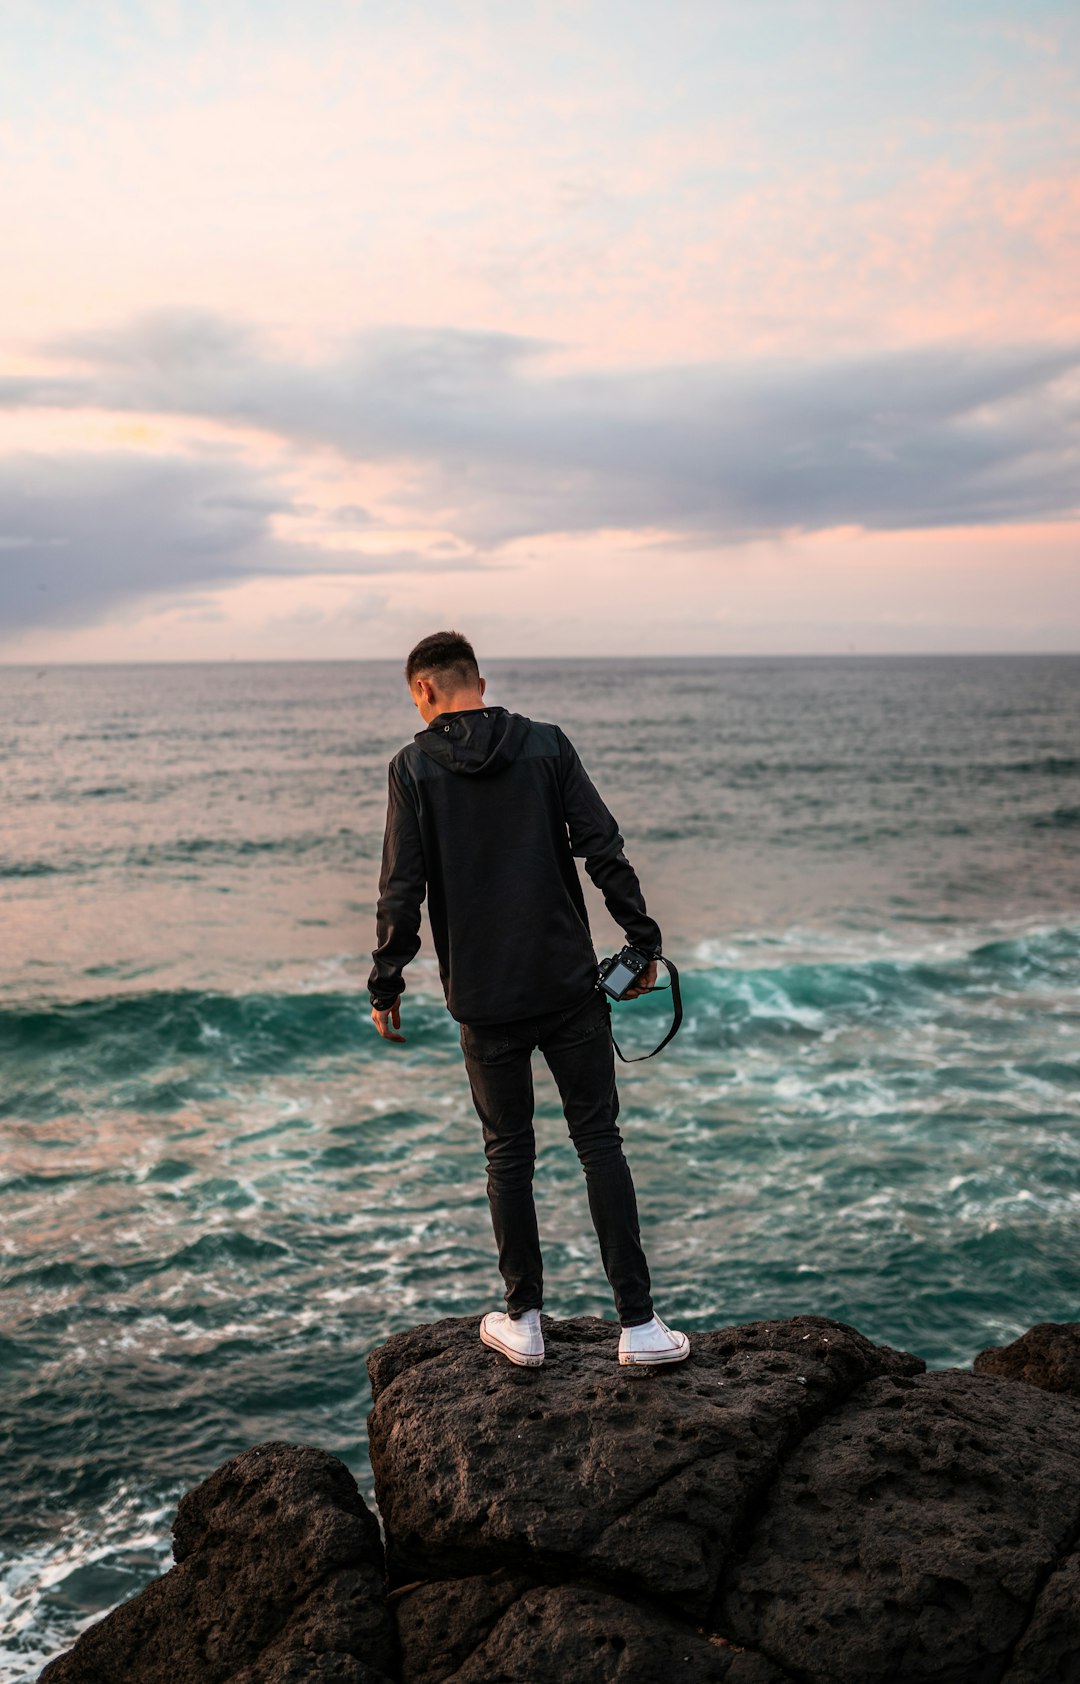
{"x":486,"y":811}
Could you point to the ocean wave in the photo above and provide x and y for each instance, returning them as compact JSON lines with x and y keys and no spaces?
{"x":198,"y":1033}
{"x":1047,"y":765}
{"x":127,"y":1033}
{"x":1062,"y":818}
{"x":339,"y":847}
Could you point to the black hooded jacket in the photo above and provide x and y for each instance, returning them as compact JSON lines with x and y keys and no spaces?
{"x":487,"y":810}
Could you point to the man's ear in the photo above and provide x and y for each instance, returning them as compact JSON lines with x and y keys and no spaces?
{"x":483,"y":685}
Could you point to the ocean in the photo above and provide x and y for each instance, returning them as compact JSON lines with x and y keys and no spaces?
{"x":219,"y":1189}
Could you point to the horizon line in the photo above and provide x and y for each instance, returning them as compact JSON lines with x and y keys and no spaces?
{"x":725,"y":655}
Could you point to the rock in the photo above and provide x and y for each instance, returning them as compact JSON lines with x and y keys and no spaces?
{"x":1047,"y":1356}
{"x":278,"y":1580}
{"x":793,"y":1502}
{"x":471,"y":1631}
{"x":909,"y":1535}
{"x":643,"y":1478}
{"x":442,"y":1622}
{"x":1050,"y":1647}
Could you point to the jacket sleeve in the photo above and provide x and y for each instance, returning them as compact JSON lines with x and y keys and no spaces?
{"x":402,"y":887}
{"x":594,"y":837}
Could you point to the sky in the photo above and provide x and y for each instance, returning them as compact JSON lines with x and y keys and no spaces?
{"x":608,"y":327}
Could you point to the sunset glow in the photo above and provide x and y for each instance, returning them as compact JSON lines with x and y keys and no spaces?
{"x":606,"y":328}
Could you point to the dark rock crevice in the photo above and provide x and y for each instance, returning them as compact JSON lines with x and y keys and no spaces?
{"x":474,"y":1630}
{"x":503,"y":1586}
{"x":1045,"y":1644}
{"x":1047,"y":1356}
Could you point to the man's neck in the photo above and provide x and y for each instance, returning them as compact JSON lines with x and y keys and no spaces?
{"x":462,"y":703}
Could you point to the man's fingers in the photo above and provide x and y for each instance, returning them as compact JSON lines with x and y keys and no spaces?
{"x":381,"y":1020}
{"x":645,"y":982}
{"x":395,"y":1015}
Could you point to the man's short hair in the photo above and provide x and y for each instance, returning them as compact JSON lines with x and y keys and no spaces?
{"x":446,"y":657}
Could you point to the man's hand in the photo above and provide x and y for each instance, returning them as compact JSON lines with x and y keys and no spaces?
{"x":646,"y":980}
{"x":383,"y":1019}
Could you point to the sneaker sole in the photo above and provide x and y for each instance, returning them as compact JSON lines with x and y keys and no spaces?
{"x":519,"y":1357}
{"x":632,"y":1359}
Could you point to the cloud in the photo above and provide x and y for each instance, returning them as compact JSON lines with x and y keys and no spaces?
{"x":83,"y":533}
{"x":500,"y":444}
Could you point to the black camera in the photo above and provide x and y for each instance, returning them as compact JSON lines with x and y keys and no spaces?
{"x":622,"y":972}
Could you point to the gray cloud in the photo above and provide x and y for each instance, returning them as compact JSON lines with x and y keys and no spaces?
{"x":81,"y":533}
{"x":499,"y":445}
{"x":502,"y":447}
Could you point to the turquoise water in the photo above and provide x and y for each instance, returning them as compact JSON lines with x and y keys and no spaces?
{"x":219,"y":1189}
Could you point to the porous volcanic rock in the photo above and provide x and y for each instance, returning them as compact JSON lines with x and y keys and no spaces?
{"x":278,"y":1580}
{"x":792,"y":1503}
{"x":507,"y":1627}
{"x":1047,"y":1356}
{"x":1049,"y":1650}
{"x":642,"y":1477}
{"x":911,"y":1535}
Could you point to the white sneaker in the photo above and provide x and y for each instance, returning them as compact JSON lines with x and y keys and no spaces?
{"x":653,"y":1341}
{"x":520,"y":1340}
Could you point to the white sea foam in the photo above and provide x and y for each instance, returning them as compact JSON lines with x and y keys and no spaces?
{"x":45,"y":1600}
{"x":799,"y":944}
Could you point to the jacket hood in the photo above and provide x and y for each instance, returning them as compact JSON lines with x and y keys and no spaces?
{"x":479,"y":742}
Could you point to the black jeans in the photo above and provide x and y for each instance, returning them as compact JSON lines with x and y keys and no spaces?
{"x":576,"y":1044}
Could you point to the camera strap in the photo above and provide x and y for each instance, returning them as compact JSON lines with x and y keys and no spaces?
{"x":676,"y":1009}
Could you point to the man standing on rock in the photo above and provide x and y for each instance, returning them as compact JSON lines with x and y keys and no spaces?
{"x":486,"y":812}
